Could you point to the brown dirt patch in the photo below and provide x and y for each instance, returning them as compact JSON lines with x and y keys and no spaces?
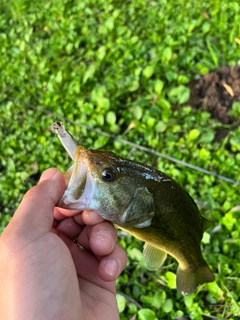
{"x":216,"y":92}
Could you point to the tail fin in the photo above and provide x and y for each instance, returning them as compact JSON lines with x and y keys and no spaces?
{"x":188,"y":280}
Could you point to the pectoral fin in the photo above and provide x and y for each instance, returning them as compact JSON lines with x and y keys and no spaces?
{"x":153,"y":257}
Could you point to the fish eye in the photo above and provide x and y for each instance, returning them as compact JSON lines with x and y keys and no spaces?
{"x":109,"y":174}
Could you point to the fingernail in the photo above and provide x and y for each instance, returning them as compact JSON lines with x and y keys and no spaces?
{"x":49,"y":174}
{"x":111,"y":267}
{"x":55,"y":176}
{"x":105,"y":237}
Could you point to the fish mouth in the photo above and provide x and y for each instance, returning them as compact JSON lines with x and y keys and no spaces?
{"x":80,"y":190}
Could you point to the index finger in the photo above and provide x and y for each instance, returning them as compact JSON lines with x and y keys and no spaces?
{"x":86,"y":217}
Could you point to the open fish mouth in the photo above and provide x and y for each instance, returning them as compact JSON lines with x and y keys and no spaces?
{"x":80,"y":190}
{"x":81,"y":186}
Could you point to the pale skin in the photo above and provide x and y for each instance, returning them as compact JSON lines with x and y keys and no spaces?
{"x":44,"y":274}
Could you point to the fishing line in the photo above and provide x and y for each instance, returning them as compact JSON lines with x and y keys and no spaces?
{"x":132,"y":144}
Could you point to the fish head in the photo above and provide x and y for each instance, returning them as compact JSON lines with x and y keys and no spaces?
{"x":100,"y":181}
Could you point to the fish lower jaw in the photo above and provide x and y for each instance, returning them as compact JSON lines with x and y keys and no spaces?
{"x":72,"y":204}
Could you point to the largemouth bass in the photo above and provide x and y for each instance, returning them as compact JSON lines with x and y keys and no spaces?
{"x":143,"y":201}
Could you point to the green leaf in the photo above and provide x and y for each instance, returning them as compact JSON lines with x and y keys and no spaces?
{"x":89,"y":72}
{"x":215,"y":291}
{"x":168,"y":306}
{"x":179,"y":94}
{"x":133,"y":85}
{"x":109,"y":23}
{"x":101,"y":53}
{"x":171,"y":76}
{"x":59,"y":77}
{"x":146,"y":314}
{"x":166,"y":55}
{"x":158,"y":86}
{"x":161,"y":126}
{"x":135,"y":254}
{"x":171,"y":279}
{"x":206,"y":238}
{"x":182,"y":79}
{"x":229,"y":221}
{"x":151,"y":121}
{"x":164,"y":104}
{"x":103,"y":103}
{"x":207,"y":137}
{"x":148,"y":71}
{"x":121,"y":302}
{"x":235,"y":110}
{"x":235,"y":142}
{"x":100,"y":142}
{"x":193,"y":134}
{"x":212,"y":52}
{"x":204,"y":154}
{"x":100,"y":119}
{"x":111,"y":118}
{"x":158,"y":299}
{"x":137,"y":112}
{"x":188,"y":300}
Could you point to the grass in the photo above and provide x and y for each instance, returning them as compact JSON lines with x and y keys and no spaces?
{"x":118,"y":66}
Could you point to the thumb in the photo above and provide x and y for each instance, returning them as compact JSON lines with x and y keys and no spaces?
{"x":34,"y":216}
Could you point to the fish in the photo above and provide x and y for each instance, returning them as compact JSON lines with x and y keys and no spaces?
{"x":143,"y":201}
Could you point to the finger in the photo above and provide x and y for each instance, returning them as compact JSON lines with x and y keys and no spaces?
{"x":79,"y":219}
{"x":35,"y":213}
{"x":69,"y":227}
{"x":100,"y":238}
{"x":91,"y":217}
{"x":103,"y":238}
{"x":60,"y":213}
{"x":113,"y":264}
{"x":86,"y":265}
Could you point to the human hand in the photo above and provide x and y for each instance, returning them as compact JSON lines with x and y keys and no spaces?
{"x":44,"y":274}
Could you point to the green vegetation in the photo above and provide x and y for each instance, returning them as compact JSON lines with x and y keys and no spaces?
{"x":119,"y":66}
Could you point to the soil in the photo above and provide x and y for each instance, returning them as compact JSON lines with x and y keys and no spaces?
{"x":216,"y":92}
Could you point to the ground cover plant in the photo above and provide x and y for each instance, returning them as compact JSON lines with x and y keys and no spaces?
{"x":122,"y":67}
